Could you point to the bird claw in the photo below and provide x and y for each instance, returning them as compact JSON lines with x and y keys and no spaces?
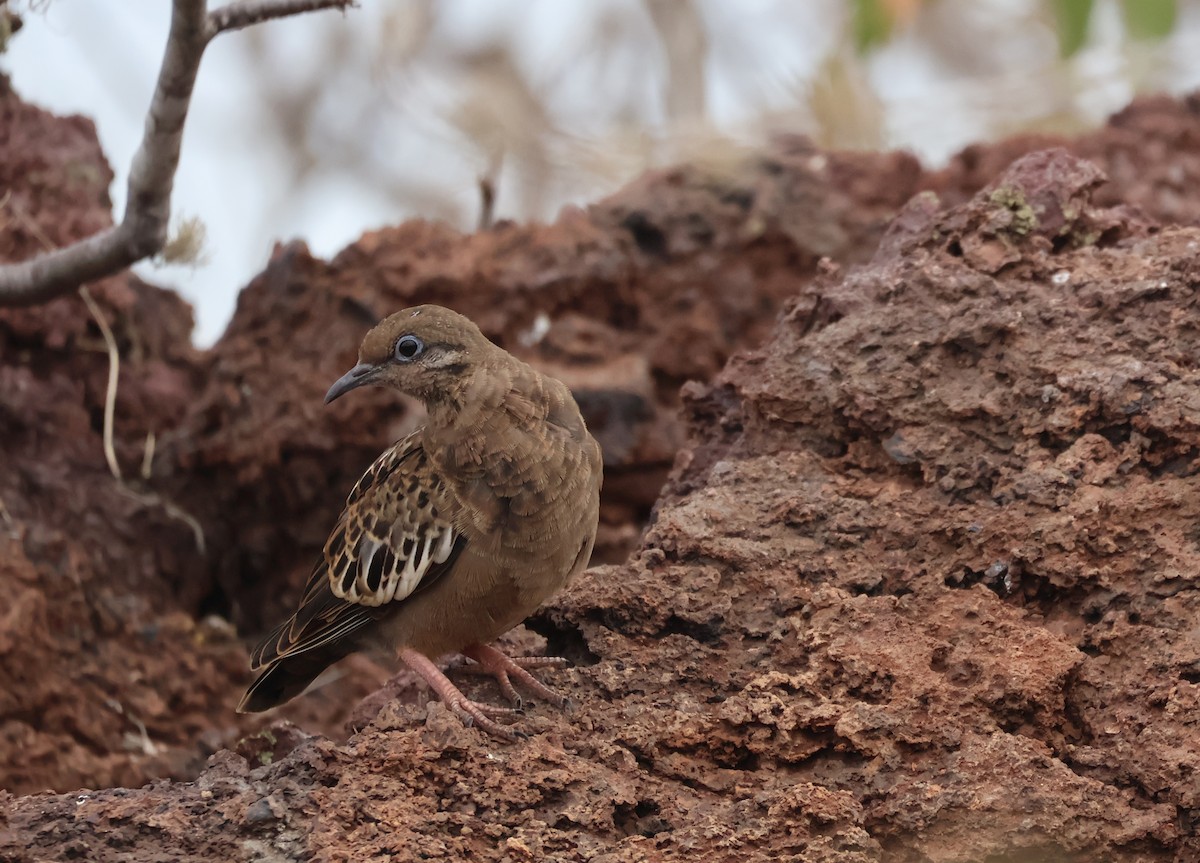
{"x":499,"y":712}
{"x":483,"y":716}
{"x":506,"y":669}
{"x":528,"y":662}
{"x":476,"y":715}
{"x":514,"y":697}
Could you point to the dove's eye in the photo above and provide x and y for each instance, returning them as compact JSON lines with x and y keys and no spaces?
{"x":408,"y":348}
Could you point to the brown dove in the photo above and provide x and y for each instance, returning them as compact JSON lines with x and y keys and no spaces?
{"x":456,"y":533}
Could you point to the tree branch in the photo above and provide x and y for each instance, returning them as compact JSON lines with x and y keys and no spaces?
{"x":235,"y":16}
{"x":143,"y":229}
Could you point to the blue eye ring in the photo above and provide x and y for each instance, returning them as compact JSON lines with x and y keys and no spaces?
{"x":408,"y":348}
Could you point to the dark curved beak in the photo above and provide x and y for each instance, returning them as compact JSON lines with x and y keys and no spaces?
{"x":356,"y":377}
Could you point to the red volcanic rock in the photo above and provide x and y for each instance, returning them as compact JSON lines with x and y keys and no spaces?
{"x":922,"y":584}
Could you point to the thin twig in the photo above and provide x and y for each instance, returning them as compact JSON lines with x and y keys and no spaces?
{"x":142,"y":231}
{"x":151,"y":499}
{"x":145,"y":744}
{"x":110,"y":394}
{"x":148,"y":456}
{"x":180,"y":514}
{"x":28,"y":223}
{"x":685,"y":46}
{"x":146,"y":498}
{"x":235,"y":16}
{"x":4,"y":203}
{"x":487,"y":203}
{"x":8,"y":519}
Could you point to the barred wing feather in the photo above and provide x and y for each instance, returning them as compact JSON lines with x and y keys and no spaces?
{"x":395,"y":537}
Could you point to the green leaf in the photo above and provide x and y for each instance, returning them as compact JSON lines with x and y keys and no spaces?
{"x":1072,"y":18}
{"x":1149,"y":19}
{"x":872,"y":24}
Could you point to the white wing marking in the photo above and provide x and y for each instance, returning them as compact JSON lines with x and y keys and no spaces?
{"x":433,"y":547}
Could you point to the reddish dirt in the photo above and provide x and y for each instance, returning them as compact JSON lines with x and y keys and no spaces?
{"x":107,"y":677}
{"x":922,"y":584}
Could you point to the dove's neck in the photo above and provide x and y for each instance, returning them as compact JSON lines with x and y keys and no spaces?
{"x":488,"y":411}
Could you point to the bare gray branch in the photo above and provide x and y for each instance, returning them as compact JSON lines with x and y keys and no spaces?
{"x":235,"y":16}
{"x":143,"y":229}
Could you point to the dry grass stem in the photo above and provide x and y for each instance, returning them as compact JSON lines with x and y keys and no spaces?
{"x":110,"y":394}
{"x":148,"y":456}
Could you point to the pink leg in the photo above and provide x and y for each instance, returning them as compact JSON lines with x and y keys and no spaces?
{"x":498,"y":665}
{"x":470,"y":712}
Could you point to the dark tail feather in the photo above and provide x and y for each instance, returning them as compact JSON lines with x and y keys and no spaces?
{"x":282,"y":681}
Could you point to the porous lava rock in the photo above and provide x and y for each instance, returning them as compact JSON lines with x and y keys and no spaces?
{"x":922,"y":586}
{"x":119,"y":659}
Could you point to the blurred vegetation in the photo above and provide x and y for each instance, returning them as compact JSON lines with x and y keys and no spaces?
{"x":10,"y":23}
{"x":647,"y":83}
{"x":875,"y":21}
{"x":1143,"y":19}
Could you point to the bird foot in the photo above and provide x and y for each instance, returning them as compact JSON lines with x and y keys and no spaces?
{"x":506,"y":668}
{"x":472,"y":713}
